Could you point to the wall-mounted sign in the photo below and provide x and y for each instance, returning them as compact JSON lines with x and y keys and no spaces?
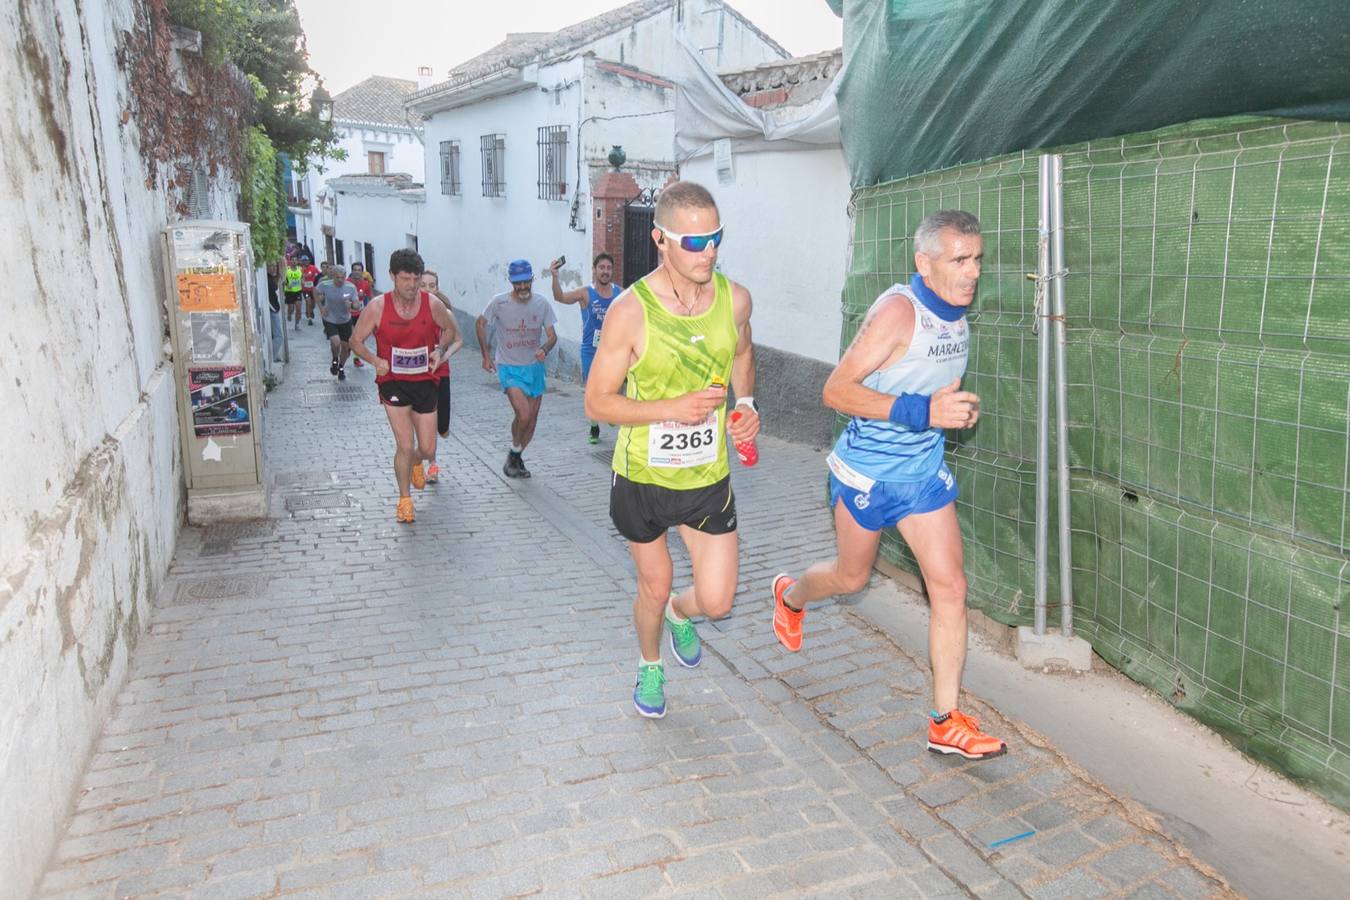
{"x":203,"y":292}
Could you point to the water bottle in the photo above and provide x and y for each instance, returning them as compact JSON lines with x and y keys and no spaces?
{"x":746,"y":451}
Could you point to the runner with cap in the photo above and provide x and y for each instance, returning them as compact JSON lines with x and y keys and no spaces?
{"x":412,"y":332}
{"x":593,"y":300}
{"x":522,"y":326}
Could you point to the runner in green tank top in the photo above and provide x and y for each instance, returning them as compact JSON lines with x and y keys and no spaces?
{"x":677,"y":337}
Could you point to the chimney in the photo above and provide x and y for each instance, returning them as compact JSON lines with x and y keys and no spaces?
{"x":424,"y":78}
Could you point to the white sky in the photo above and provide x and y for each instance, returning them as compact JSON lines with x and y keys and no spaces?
{"x":350,"y":40}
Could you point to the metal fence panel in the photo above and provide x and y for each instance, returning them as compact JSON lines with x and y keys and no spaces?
{"x":1209,"y":382}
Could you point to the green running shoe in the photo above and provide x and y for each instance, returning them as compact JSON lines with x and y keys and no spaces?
{"x":649,"y":694}
{"x":684,"y":641}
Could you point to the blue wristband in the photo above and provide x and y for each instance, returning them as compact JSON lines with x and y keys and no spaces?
{"x":910,"y":410}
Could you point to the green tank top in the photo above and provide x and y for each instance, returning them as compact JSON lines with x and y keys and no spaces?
{"x":681,"y":354}
{"x":293,"y":279}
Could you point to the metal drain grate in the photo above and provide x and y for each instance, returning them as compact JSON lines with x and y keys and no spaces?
{"x":604,"y":456}
{"x":317,"y":501}
{"x":340,"y":393}
{"x":282,"y":479}
{"x":224,"y":587}
{"x":234,"y":531}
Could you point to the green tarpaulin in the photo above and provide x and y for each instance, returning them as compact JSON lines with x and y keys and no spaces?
{"x":935,"y":83}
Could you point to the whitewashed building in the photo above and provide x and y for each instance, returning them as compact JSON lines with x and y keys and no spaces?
{"x":374,"y":215}
{"x":766,"y":142}
{"x":380,"y":138}
{"x":518,"y":142}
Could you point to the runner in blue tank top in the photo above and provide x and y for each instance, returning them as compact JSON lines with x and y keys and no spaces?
{"x":594,"y":300}
{"x":900,"y":382}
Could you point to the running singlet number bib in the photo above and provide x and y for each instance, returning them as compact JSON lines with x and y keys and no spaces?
{"x":673,"y":445}
{"x":409,"y":361}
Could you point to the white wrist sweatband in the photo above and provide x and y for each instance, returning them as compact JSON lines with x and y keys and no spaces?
{"x":748,"y":400}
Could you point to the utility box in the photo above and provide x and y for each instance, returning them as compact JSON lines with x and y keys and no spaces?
{"x":217,"y":352}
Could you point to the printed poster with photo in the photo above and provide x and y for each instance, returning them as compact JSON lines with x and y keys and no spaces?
{"x":219,"y":401}
{"x":212,"y":340}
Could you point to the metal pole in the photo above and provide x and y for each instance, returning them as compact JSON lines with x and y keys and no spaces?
{"x":1061,"y":398}
{"x":1043,"y":271}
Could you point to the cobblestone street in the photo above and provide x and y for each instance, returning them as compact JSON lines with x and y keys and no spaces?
{"x":329,"y":704}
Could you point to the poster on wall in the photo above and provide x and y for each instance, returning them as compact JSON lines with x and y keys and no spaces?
{"x":206,"y":292}
{"x":219,"y":401}
{"x":211,"y":338}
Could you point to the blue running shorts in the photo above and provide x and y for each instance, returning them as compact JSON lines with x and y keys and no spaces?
{"x":587,"y":357}
{"x":529,"y":379}
{"x":885,"y":503}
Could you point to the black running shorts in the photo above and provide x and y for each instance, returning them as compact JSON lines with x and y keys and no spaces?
{"x":292,"y":297}
{"x":443,"y":406}
{"x":643,"y":512}
{"x":343,"y":331}
{"x":420,"y":395}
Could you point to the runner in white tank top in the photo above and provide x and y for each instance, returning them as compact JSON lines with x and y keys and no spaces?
{"x":899,"y":381}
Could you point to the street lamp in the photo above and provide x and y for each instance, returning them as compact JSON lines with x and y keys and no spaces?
{"x":322,"y":104}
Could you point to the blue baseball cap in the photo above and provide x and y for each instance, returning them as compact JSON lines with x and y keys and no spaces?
{"x":519,"y":270}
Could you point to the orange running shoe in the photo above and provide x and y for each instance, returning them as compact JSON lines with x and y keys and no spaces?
{"x":405,"y":510}
{"x":958,"y":733}
{"x":433,"y":474}
{"x":419,"y":478}
{"x":787,"y":622}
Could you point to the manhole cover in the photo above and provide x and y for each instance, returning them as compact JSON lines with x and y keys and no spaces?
{"x":224,"y":587}
{"x":317,"y":501}
{"x":234,"y":531}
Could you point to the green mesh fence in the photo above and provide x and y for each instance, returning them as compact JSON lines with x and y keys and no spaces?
{"x":1208,"y":307}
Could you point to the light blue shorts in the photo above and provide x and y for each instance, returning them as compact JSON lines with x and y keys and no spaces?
{"x":529,"y":379}
{"x":887,"y":502}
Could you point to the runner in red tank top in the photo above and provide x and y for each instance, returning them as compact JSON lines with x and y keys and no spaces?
{"x":431,"y":283}
{"x":412,"y":333}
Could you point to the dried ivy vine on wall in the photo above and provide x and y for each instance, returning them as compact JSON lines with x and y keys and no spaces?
{"x":181,"y":131}
{"x":233,"y":106}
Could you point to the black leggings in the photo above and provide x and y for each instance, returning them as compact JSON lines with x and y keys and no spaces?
{"x":443,"y":407}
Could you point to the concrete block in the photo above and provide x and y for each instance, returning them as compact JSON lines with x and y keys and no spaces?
{"x":212,"y":507}
{"x":1052,"y":650}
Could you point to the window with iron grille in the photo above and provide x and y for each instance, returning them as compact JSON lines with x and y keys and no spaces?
{"x":494,"y":165}
{"x":553,"y":162}
{"x":450,"y":168}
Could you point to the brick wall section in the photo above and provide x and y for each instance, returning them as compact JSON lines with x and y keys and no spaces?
{"x":609,"y":194}
{"x":766,"y":98}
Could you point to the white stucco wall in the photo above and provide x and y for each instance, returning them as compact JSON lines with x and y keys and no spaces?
{"x":382,"y":219}
{"x":91,"y":485}
{"x":635,"y":112}
{"x":403,"y":153}
{"x":726,"y":43}
{"x":469,"y":239}
{"x":787,"y":235}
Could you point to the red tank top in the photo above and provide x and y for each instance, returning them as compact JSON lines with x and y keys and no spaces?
{"x":406,"y":344}
{"x":444,"y":370}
